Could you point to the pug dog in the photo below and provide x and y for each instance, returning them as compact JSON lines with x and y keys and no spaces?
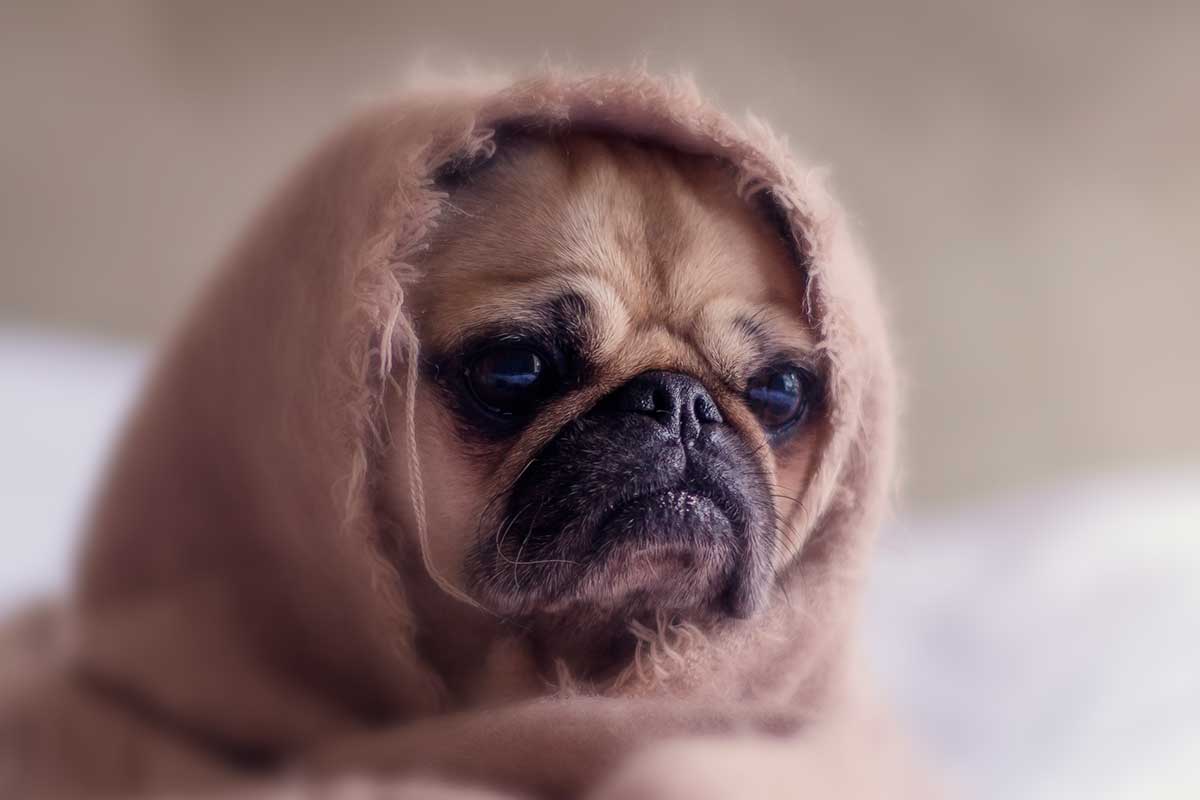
{"x":530,"y":446}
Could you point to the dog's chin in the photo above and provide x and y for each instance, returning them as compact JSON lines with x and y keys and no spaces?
{"x":671,"y":550}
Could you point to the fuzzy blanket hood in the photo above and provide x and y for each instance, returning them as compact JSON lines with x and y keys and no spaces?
{"x":235,"y":579}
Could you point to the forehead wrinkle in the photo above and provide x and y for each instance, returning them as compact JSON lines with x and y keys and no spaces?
{"x":606,"y":220}
{"x":663,"y":227}
{"x":626,"y":218}
{"x":524,"y":304}
{"x":736,"y":338}
{"x":647,"y":226}
{"x":662,"y":238}
{"x":782,"y":326}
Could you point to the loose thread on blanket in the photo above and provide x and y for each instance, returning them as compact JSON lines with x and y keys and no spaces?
{"x":415,"y":482}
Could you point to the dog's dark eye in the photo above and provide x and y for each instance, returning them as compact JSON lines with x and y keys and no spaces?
{"x":509,"y":380}
{"x":779,"y":396}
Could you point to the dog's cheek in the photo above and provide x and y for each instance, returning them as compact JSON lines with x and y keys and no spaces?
{"x":452,"y":478}
{"x":794,"y":470}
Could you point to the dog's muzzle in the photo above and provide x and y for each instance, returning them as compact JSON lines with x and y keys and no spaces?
{"x":650,"y":500}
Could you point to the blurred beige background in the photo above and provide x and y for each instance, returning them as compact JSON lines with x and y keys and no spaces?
{"x":1027,"y":175}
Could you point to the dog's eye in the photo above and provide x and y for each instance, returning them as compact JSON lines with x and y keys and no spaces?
{"x":779,"y":396}
{"x":509,"y":380}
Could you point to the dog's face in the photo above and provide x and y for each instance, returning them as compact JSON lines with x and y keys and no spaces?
{"x":619,"y":402}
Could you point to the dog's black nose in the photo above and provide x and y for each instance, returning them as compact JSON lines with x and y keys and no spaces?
{"x":679,"y":402}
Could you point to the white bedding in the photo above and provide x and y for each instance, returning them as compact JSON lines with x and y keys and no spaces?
{"x":1042,"y":645}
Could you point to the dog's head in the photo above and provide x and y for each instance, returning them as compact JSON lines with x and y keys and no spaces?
{"x":619,"y":400}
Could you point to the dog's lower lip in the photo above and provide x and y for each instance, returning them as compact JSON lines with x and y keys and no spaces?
{"x":648,"y":517}
{"x":660,"y":542}
{"x":676,"y":495}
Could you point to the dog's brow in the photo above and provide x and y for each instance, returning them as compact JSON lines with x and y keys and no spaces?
{"x":563,"y":322}
{"x":754,"y":329}
{"x":568,"y":316}
{"x":769,"y":337}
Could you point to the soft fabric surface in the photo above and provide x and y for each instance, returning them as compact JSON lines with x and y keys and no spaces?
{"x":1043,"y":644}
{"x":255,"y":581}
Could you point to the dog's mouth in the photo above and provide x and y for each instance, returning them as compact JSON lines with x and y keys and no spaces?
{"x":662,"y":549}
{"x":652,"y":516}
{"x":666,"y":549}
{"x":625,"y":535}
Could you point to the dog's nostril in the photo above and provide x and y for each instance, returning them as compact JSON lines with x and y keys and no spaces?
{"x":663,"y":402}
{"x":677,"y":401}
{"x":706,"y":410}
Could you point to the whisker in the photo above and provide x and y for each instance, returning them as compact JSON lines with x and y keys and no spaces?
{"x":503,"y":492}
{"x":525,"y":541}
{"x":503,"y":533}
